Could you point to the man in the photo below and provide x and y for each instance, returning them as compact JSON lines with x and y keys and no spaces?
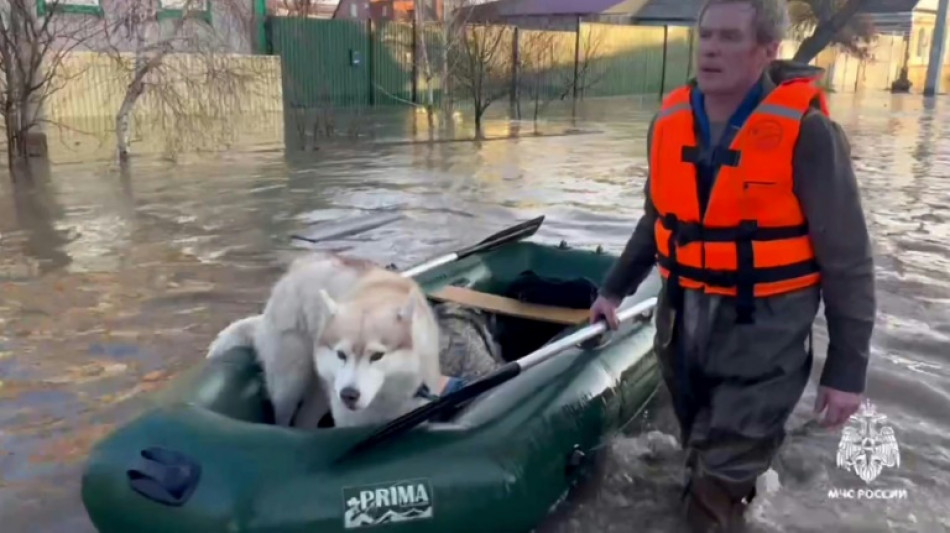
{"x":753,"y":214}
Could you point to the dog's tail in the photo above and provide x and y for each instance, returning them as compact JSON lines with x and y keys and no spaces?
{"x":237,"y":334}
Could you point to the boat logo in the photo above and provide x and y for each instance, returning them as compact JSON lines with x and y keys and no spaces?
{"x":386,"y":503}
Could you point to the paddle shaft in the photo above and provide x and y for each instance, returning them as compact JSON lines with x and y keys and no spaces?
{"x":499,"y":376}
{"x":505,"y":236}
{"x":589,"y":332}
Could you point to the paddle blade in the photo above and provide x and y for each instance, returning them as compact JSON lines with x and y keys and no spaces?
{"x":513,"y":233}
{"x":430,"y":410}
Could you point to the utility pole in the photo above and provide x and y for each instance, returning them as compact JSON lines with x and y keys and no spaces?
{"x":935,"y":64}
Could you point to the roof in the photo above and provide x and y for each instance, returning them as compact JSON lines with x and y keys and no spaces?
{"x":651,"y":9}
{"x":888,"y":6}
{"x":672,"y":10}
{"x":685,"y":10}
{"x":524,"y":8}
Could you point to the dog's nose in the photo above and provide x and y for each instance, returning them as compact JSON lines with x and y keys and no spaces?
{"x":350,"y":396}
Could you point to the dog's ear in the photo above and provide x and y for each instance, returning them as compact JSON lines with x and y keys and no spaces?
{"x":408,"y":308}
{"x":329,"y":302}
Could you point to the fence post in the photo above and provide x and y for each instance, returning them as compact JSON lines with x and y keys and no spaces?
{"x":260,"y":18}
{"x":666,"y":42}
{"x":515,"y":72}
{"x":371,"y":60}
{"x":415,"y":60}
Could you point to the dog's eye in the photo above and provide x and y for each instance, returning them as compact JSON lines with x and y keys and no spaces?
{"x":341,"y":355}
{"x":376,"y":356}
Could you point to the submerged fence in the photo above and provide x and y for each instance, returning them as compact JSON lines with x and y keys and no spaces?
{"x":347,"y":63}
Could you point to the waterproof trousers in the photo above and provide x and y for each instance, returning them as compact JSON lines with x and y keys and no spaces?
{"x":733,"y":387}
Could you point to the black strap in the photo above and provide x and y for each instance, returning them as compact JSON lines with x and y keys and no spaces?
{"x":730,"y":278}
{"x":745,"y":273}
{"x":717,"y":157}
{"x":690,"y":232}
{"x":674,"y":291}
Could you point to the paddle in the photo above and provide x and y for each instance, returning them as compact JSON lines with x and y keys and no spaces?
{"x":342,"y":228}
{"x":499,"y":376}
{"x":336,"y":229}
{"x":505,"y":236}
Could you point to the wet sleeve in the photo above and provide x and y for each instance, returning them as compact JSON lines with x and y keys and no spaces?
{"x":828,"y":192}
{"x":639,"y":255}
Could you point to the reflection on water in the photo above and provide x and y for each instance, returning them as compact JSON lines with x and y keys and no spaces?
{"x":112,"y":283}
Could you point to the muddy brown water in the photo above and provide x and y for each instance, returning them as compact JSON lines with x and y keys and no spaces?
{"x":111,"y":284}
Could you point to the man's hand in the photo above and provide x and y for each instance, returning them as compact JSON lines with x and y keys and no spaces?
{"x":840,"y":406}
{"x":606,"y":308}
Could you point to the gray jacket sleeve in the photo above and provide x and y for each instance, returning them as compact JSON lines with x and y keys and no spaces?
{"x":639,"y":255}
{"x":827,"y":189}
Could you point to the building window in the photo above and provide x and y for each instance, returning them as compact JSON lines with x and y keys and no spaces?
{"x":922,"y":43}
{"x":85,"y":7}
{"x":176,"y":9}
{"x":353,"y":10}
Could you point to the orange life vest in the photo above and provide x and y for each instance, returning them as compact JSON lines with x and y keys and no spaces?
{"x":752,"y":240}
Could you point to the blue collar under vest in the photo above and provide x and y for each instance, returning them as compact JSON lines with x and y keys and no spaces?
{"x":738,"y":118}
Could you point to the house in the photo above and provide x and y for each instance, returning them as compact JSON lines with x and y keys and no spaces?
{"x":404,"y":10}
{"x":228,"y":21}
{"x":320,"y":9}
{"x":914,"y":21}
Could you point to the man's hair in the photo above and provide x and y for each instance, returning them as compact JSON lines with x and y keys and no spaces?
{"x":770,"y":21}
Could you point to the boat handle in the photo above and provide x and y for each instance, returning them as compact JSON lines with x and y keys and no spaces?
{"x":164,"y":476}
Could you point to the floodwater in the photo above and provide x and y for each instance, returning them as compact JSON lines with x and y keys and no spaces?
{"x":111,"y":284}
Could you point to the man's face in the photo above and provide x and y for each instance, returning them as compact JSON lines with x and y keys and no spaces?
{"x":730,"y":58}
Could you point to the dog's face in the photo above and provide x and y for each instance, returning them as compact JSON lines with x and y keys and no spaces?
{"x":367,"y":348}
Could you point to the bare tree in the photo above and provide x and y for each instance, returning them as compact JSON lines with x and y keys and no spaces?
{"x":830,"y":22}
{"x":551,"y":68}
{"x":539,"y":56}
{"x":35,"y":42}
{"x":483,"y":66}
{"x":189,"y":93}
{"x":422,"y":53}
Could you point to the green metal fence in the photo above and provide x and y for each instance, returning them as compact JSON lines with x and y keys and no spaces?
{"x":350,"y":63}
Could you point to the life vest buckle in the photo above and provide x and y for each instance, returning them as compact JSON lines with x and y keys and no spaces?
{"x":747,"y":230}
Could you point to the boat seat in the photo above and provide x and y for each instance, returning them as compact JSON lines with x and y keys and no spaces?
{"x":509,"y":306}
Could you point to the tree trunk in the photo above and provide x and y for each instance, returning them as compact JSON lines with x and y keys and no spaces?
{"x":445,"y":85}
{"x":478,"y":122}
{"x":826,"y":30}
{"x":123,"y":119}
{"x":423,"y":52}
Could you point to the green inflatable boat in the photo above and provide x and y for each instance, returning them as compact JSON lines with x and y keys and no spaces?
{"x":495,"y":456}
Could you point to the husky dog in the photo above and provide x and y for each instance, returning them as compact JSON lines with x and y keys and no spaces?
{"x":379,"y":350}
{"x":348,"y":336}
{"x":284,"y":335}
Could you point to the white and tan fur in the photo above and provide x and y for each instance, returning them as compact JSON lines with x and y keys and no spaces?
{"x":380,"y":346}
{"x":285,"y":334}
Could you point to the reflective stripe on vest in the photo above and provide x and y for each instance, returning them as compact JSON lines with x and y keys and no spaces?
{"x":753,"y":239}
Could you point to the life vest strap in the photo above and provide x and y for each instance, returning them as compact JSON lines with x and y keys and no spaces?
{"x":690,"y":232}
{"x":730,"y":278}
{"x":720,"y":156}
